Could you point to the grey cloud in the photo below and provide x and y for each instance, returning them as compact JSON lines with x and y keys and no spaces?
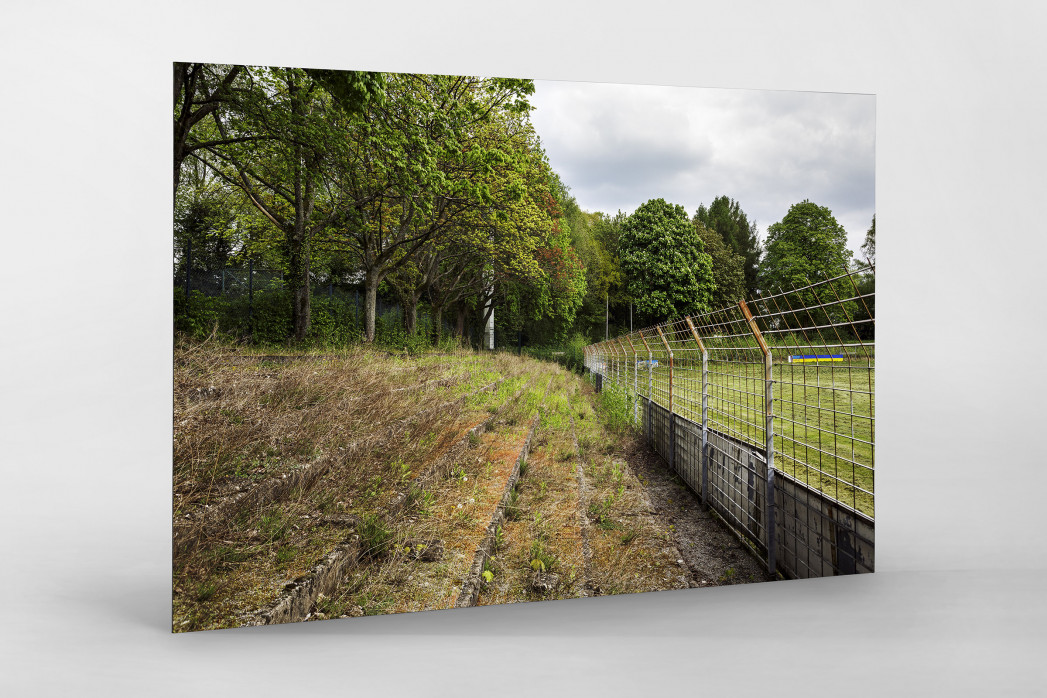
{"x":617,"y":146}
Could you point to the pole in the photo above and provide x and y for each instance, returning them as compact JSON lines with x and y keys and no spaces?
{"x":672,"y":420}
{"x":705,"y":409}
{"x":650,"y":358}
{"x":636,"y":369}
{"x":769,"y":433}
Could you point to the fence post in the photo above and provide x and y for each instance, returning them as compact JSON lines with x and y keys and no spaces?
{"x":636,"y":393}
{"x":769,"y":433}
{"x":672,"y":421}
{"x":650,"y":358}
{"x":705,"y":406}
{"x":623,"y":378}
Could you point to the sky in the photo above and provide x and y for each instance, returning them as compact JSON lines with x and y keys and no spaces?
{"x":617,"y":146}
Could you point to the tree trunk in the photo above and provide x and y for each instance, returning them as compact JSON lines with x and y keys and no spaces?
{"x":370,"y":301}
{"x":437,"y":313}
{"x":459,"y":326}
{"x":411,"y":317}
{"x":299,"y":280}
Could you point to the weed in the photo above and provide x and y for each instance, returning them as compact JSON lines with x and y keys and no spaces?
{"x":401,"y":471}
{"x":541,"y":559}
{"x":330,"y":606}
{"x":421,"y":500}
{"x":227,"y":555}
{"x":523,"y":467}
{"x":463,"y":516}
{"x":205,"y":590}
{"x":728,"y":576}
{"x":629,"y":536}
{"x":327,"y":501}
{"x":274,"y":525}
{"x":512,"y":511}
{"x":374,"y":487}
{"x":284,"y":555}
{"x":375,"y":536}
{"x":474,"y":439}
{"x":499,"y":538}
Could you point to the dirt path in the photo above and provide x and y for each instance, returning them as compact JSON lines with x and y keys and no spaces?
{"x":712,"y":554}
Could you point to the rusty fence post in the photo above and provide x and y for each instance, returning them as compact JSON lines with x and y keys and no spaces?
{"x":650,"y":397}
{"x":769,"y":434}
{"x":636,"y":393}
{"x":704,"y":458}
{"x":672,"y":421}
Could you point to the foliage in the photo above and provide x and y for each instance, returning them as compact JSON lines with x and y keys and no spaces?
{"x":806,"y":246}
{"x":869,"y":246}
{"x":728,"y":268}
{"x":669,"y":273}
{"x":726,"y":217}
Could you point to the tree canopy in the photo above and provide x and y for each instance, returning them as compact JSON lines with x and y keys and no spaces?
{"x":806,"y":246}
{"x":663,"y":257}
{"x":726,"y":217}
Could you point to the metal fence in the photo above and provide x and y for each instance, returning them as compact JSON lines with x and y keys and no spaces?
{"x":767,"y":411}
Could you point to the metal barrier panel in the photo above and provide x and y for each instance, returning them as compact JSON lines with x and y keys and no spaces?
{"x":818,"y":536}
{"x":737,"y":476}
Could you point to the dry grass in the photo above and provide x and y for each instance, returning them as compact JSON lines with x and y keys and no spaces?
{"x":369,"y":426}
{"x":344,"y":413}
{"x":454,"y":522}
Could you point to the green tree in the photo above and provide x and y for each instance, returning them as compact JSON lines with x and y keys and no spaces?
{"x":668,"y":272}
{"x":727,"y":218}
{"x":728,"y":268}
{"x":805,"y":247}
{"x":200,"y":90}
{"x":414,"y":166}
{"x":869,"y":246}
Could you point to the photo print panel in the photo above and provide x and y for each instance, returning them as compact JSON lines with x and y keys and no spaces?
{"x":447,"y":341}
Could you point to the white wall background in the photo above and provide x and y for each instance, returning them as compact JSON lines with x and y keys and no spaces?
{"x":956,"y":604}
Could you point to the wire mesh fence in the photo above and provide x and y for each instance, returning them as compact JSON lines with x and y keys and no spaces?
{"x":766,"y":408}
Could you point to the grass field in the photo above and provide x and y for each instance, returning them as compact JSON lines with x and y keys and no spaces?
{"x":824,"y":416}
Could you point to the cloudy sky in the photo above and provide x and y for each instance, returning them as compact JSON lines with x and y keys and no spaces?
{"x":616,"y":146}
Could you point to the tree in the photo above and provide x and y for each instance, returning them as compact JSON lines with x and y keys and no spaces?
{"x":200,"y":89}
{"x":664,"y":260}
{"x":805,"y":247}
{"x":728,"y":268}
{"x":869,"y":246}
{"x":727,"y":218}
{"x":414,"y":165}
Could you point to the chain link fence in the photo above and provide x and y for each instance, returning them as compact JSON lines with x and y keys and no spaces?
{"x":767,"y":411}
